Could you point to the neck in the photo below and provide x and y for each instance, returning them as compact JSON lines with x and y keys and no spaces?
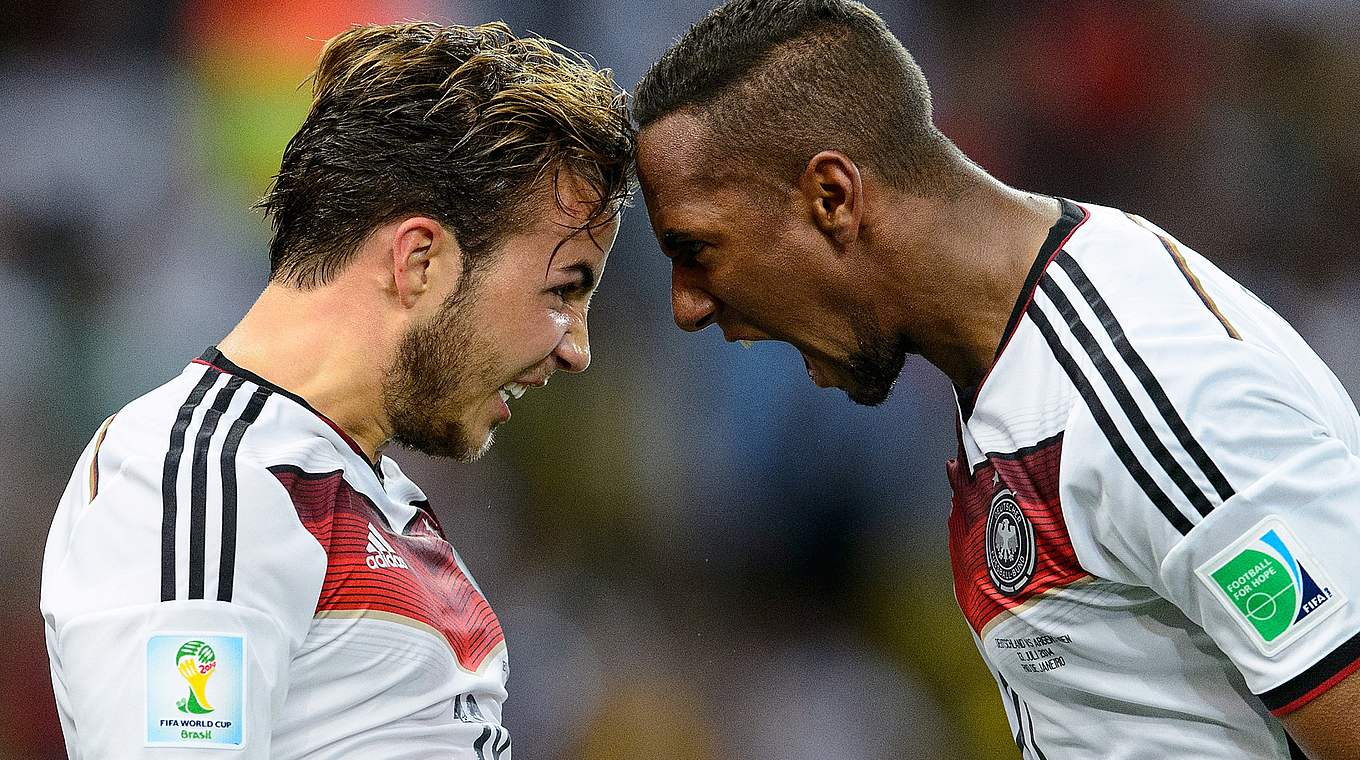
{"x":960,"y":266}
{"x":313,"y":343}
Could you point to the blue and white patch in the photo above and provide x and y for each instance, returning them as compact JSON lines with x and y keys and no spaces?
{"x":195,"y":690}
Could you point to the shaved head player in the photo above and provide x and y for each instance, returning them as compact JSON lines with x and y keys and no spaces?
{"x":1156,"y":492}
{"x":235,"y":563}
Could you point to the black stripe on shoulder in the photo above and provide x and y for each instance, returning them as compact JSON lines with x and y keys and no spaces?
{"x":226,"y":568}
{"x":1025,"y":451}
{"x":305,"y":475}
{"x":1017,"y":455}
{"x":198,"y":489}
{"x":1115,"y":383}
{"x":1297,"y":691}
{"x":1144,"y":374}
{"x":170,"y":481}
{"x":1106,"y":424}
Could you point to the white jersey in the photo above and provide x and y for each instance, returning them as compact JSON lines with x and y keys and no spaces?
{"x":227,"y":570}
{"x":1155,"y":509}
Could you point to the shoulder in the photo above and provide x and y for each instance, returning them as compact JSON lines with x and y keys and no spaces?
{"x":176,"y":499}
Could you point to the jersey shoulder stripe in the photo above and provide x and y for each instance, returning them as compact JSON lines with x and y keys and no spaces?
{"x":170,"y":482}
{"x":198,"y":488}
{"x":1111,"y":368}
{"x":1110,"y":376}
{"x":1145,"y":375}
{"x":226,"y":572}
{"x":209,"y":423}
{"x":1106,"y":423}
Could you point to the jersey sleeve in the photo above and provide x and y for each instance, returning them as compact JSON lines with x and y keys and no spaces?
{"x":145,"y":667}
{"x":1226,"y":480}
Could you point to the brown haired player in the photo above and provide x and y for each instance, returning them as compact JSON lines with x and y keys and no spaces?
{"x":1153,"y":533}
{"x":235,"y":564}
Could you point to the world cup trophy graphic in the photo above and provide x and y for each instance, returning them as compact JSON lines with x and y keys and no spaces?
{"x":197,"y":662}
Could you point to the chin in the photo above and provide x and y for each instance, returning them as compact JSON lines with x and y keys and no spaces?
{"x":868,"y":397}
{"x":452,"y":441}
{"x":473,"y":455}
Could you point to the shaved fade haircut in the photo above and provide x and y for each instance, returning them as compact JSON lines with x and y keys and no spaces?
{"x":470,"y":126}
{"x":778,"y":81}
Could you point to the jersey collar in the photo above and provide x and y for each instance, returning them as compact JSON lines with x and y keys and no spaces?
{"x":1069,"y":220}
{"x":218,"y":361}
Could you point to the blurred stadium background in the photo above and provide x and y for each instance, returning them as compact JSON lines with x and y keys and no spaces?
{"x":695,"y":553}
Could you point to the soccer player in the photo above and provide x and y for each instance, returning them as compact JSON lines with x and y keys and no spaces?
{"x":235,"y":563}
{"x":1154,"y":523}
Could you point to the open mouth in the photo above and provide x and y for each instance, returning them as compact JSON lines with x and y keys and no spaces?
{"x":512,"y":390}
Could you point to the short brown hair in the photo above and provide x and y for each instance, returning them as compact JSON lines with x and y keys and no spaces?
{"x":465,"y":125}
{"x":779,"y":81}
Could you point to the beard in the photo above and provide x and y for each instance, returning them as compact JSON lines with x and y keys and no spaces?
{"x":438,"y":369}
{"x":873,"y":369}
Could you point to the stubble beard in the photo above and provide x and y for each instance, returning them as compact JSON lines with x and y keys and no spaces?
{"x":437,"y":364}
{"x":873,"y":369}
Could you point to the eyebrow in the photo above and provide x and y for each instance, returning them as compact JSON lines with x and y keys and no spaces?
{"x":587,"y":274}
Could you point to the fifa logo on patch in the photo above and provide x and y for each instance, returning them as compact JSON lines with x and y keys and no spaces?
{"x":196,"y":661}
{"x":1009,"y":544}
{"x":1271,"y":585}
{"x":195,"y":690}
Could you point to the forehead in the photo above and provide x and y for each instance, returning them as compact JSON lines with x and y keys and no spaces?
{"x":683,"y":183}
{"x":561,"y":217}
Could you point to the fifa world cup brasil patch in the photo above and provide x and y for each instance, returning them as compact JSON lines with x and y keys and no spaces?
{"x":195,"y":690}
{"x":1271,"y":585}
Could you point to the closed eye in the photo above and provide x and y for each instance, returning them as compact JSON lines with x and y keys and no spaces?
{"x":565,"y":292}
{"x":581,"y":286}
{"x":684,"y":251}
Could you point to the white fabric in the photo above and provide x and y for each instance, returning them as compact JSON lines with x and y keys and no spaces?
{"x":317,"y":685}
{"x":1153,"y":662}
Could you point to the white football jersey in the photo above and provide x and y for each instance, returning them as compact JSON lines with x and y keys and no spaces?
{"x":1155,"y":507}
{"x":226,"y":570}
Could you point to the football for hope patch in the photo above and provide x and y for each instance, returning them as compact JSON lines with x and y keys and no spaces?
{"x":195,"y":690}
{"x":1271,"y":585}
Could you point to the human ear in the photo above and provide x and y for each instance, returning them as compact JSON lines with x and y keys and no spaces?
{"x":834,"y":191}
{"x":419,"y":247}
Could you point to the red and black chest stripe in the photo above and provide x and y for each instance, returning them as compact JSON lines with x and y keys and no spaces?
{"x":1007,"y":539}
{"x":431,"y":589}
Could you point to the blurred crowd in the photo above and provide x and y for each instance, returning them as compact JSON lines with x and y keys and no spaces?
{"x":695,"y":554}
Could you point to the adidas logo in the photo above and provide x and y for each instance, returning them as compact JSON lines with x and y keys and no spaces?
{"x":381,"y":553}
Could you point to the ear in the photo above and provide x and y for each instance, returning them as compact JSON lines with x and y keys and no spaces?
{"x":834,"y":192}
{"x":422,"y":252}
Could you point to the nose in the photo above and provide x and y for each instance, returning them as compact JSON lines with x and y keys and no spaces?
{"x":693,"y":307}
{"x":573,"y":351}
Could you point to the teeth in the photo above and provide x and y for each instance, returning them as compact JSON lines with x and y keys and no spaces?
{"x":746,"y":343}
{"x":512,"y":390}
{"x":504,"y":396}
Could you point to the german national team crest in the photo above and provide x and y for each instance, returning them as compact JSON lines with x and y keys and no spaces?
{"x":1009,"y":544}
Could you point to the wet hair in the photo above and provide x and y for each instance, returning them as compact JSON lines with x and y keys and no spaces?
{"x":469,"y":126}
{"x":778,"y":81}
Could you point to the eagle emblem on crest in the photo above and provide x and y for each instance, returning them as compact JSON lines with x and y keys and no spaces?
{"x":1009,"y":543}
